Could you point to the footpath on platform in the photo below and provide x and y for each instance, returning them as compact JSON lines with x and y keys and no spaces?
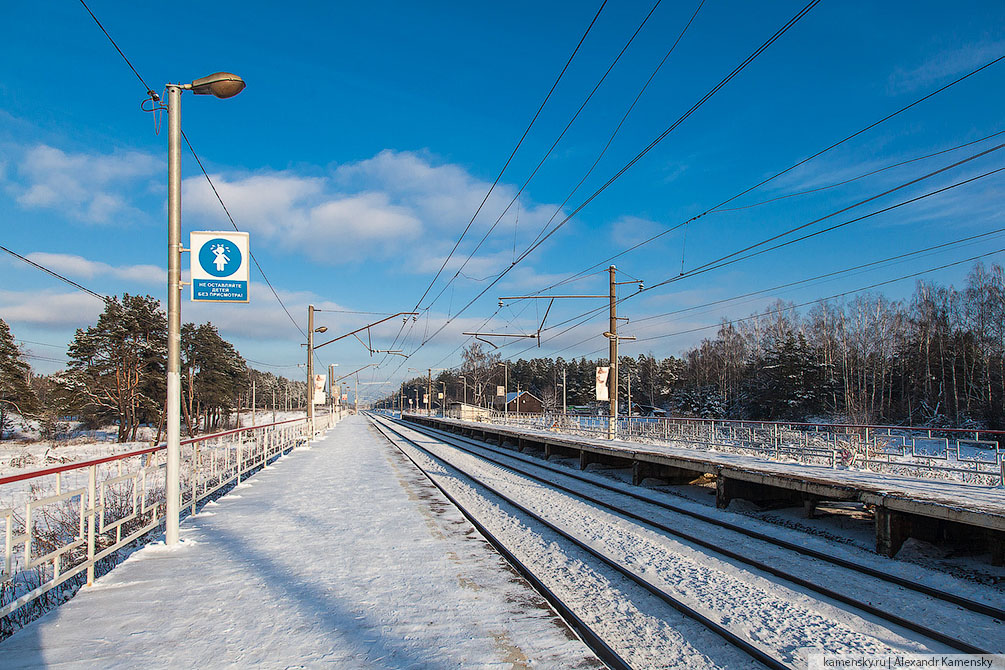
{"x":340,"y":554}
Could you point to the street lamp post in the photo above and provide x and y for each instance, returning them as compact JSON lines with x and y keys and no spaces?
{"x":221,"y":85}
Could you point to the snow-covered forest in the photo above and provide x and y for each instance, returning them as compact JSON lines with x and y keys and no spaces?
{"x":935,"y":359}
{"x":116,"y":376}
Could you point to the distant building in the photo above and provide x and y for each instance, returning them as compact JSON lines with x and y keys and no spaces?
{"x":525,"y":402}
{"x":466,"y":412}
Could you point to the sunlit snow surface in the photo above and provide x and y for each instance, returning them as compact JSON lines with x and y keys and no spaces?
{"x":339,"y":555}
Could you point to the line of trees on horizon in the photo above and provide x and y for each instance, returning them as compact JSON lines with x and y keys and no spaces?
{"x":116,"y":374}
{"x":936,"y":359}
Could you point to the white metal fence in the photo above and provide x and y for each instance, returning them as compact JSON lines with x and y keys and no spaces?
{"x":60,"y":523}
{"x":973,"y":456}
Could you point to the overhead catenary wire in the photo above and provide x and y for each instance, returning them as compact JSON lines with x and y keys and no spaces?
{"x":155,"y":97}
{"x":585,"y":317}
{"x":513,"y":153}
{"x":509,"y":159}
{"x":737,"y":256}
{"x":550,"y":150}
{"x":596,"y":161}
{"x":785,"y":171}
{"x":752,"y":317}
{"x":739,"y":68}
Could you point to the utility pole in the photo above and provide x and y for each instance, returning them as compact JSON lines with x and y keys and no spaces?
{"x":443,"y":401}
{"x":254,"y":406}
{"x":310,"y":368}
{"x":355,"y":395}
{"x":505,"y":365}
{"x":331,"y":386}
{"x":628,"y":379}
{"x":565,"y":388}
{"x":613,"y":334}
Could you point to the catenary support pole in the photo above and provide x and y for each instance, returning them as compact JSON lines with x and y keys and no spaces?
{"x":310,"y":369}
{"x":612,"y":427}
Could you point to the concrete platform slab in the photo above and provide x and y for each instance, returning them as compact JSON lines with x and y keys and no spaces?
{"x":339,"y":555}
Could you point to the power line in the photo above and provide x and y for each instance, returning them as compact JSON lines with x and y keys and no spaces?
{"x":728,"y":258}
{"x":739,"y":68}
{"x":810,"y":302}
{"x":498,"y":177}
{"x":55,"y":274}
{"x":512,"y":154}
{"x":550,"y":150}
{"x":792,"y":167}
{"x":150,"y":91}
{"x":232,"y":223}
{"x":830,"y":297}
{"x":155,"y":97}
{"x":844,"y":182}
{"x":733,"y":258}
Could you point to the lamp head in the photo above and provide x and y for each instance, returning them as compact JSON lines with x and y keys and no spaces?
{"x":220,"y":84}
{"x":321,"y":329}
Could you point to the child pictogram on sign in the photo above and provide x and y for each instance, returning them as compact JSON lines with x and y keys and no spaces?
{"x":221,"y":259}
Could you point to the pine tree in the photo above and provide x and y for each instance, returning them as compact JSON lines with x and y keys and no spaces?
{"x":16,"y":394}
{"x":117,"y":367}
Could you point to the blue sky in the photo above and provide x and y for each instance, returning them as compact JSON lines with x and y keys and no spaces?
{"x":369,"y":133}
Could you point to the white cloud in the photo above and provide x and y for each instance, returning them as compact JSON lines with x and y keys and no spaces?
{"x":49,"y":308}
{"x":396,"y":203}
{"x":945,"y":64}
{"x":83,"y":268}
{"x":87,"y":186}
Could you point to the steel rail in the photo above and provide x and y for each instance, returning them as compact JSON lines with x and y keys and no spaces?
{"x":723,"y":632}
{"x":950,"y":641}
{"x":587,"y":634}
{"x":966,"y":603}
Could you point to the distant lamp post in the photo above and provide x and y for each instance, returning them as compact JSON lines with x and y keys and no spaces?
{"x":221,"y":85}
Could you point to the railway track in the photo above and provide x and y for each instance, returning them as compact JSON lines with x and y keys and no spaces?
{"x":860,"y":621}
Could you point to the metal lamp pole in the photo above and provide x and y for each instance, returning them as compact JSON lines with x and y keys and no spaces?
{"x":221,"y":85}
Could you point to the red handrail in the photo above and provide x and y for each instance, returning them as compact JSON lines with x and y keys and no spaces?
{"x":9,"y":479}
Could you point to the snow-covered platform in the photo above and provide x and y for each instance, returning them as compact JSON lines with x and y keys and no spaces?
{"x":339,"y":555}
{"x":905,"y":507}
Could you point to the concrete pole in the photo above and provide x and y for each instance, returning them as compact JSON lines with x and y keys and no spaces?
{"x":254,"y":406}
{"x":506,"y":393}
{"x":612,"y":428}
{"x":355,"y":396}
{"x":565,"y":389}
{"x":173,"y":483}
{"x":429,"y":392}
{"x":310,"y":368}
{"x":628,"y":380}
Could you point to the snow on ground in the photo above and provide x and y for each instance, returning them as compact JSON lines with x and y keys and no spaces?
{"x":28,"y":452}
{"x":762,"y":608}
{"x":338,"y":555}
{"x":985,"y":499}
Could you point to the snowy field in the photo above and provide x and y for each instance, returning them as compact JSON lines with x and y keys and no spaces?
{"x":26,"y":452}
{"x":277,"y":574}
